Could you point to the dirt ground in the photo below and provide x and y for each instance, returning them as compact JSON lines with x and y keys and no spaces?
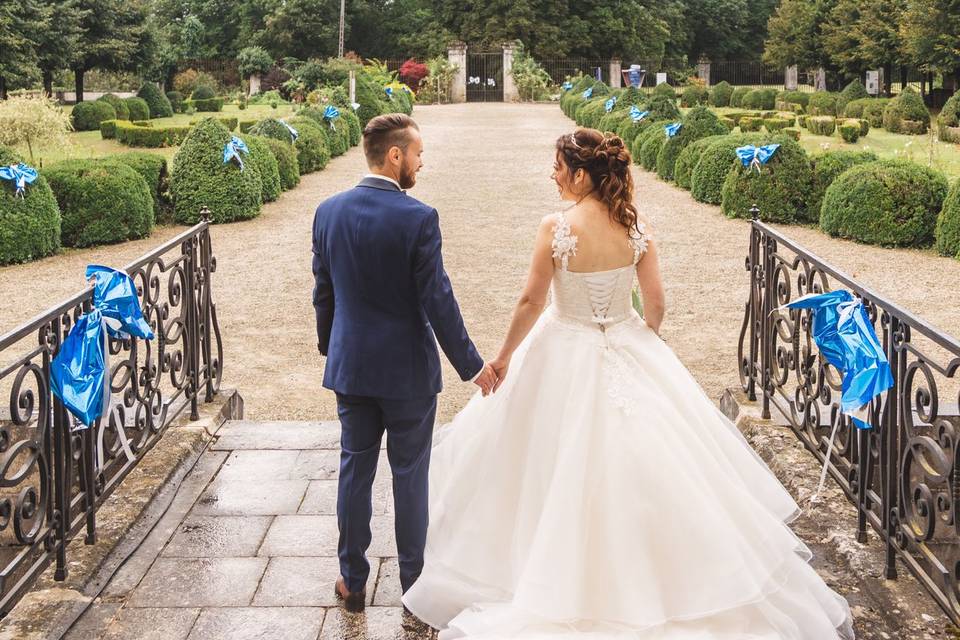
{"x":487,"y":171}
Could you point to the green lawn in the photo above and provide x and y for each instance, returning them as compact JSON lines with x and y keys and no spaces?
{"x":89,"y":144}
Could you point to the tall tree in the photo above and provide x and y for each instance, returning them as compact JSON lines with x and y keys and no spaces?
{"x":20,"y":26}
{"x":864,"y":34}
{"x":302,"y":29}
{"x":931,"y":37}
{"x":59,"y":39}
{"x":795,"y":36}
{"x":113,"y":32}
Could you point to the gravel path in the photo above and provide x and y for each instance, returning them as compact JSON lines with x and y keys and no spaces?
{"x":487,"y":172}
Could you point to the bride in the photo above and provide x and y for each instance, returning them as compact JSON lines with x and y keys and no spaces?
{"x":599,"y":493}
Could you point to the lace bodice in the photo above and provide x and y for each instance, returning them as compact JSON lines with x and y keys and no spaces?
{"x":600,"y":298}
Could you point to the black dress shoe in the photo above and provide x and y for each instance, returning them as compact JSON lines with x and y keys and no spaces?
{"x":353,"y":601}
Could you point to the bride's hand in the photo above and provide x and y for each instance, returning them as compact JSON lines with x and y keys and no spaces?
{"x":500,"y":366}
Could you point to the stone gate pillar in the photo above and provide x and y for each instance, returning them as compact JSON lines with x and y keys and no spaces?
{"x":457,"y":55}
{"x":703,"y":70}
{"x":791,"y":78}
{"x":510,"y":92}
{"x":616,"y":78}
{"x":820,"y":80}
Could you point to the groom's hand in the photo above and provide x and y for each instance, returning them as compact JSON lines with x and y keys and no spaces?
{"x":486,"y":380}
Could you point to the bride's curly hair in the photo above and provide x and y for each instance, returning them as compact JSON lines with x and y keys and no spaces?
{"x":607,"y":160}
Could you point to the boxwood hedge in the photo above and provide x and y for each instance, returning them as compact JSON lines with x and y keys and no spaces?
{"x":29,"y":226}
{"x":781,"y":189}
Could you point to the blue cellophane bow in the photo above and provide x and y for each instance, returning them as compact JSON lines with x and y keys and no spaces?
{"x":636,"y":115}
{"x":389,"y":91}
{"x":233,"y":149}
{"x":588,"y":93}
{"x":566,"y":86}
{"x":294,"y":134}
{"x":673,"y":129}
{"x":79,"y":372}
{"x":331,"y":113}
{"x":846,"y":338}
{"x":753,"y":157}
{"x":20,"y":175}
{"x":610,"y":104}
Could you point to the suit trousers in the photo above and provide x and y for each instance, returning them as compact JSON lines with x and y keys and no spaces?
{"x":408,"y":424}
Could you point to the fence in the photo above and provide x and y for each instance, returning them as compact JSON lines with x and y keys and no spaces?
{"x":53,"y":477}
{"x":225,"y":71}
{"x":903,"y":476}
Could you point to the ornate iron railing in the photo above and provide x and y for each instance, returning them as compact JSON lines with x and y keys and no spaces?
{"x":54,"y":477}
{"x":903,"y":477}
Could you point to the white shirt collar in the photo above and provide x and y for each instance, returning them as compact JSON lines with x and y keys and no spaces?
{"x":379,"y":177}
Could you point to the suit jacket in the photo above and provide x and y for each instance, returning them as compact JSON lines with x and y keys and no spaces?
{"x":382,"y":297}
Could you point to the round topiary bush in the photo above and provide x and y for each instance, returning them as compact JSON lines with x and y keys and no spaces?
{"x":272,"y":128}
{"x":287,"y":164}
{"x":29,"y":226}
{"x":826,"y":168}
{"x":849,"y":131}
{"x":765,"y":99}
{"x":262,"y":156}
{"x":781,"y":189}
{"x":948,"y":122}
{"x":794,"y":98}
{"x":356,"y":133}
{"x":629,"y":130}
{"x":101,"y":202}
{"x":201,"y":178}
{"x":138,"y":108}
{"x":720,"y":94}
{"x":750,"y":123}
{"x":368,"y":96}
{"x":153,"y":168}
{"x":87,"y":116}
{"x":774,"y":125}
{"x":823,"y":103}
{"x":157,"y":102}
{"x":906,"y":114}
{"x":948,"y":224}
{"x":873,"y":111}
{"x":853,"y":91}
{"x":176,"y":101}
{"x":574,"y":96}
{"x":203,"y":92}
{"x":736,"y":98}
{"x":822,"y":125}
{"x":652,"y":141}
{"x":335,"y":131}
{"x":700,"y":122}
{"x":636,"y":147}
{"x":694,"y":95}
{"x":313,"y":154}
{"x":716,"y":161}
{"x":688,"y":159}
{"x":665,"y":90}
{"x":886,"y":202}
{"x":119,"y":105}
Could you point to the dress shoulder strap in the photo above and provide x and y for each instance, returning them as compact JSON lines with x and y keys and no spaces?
{"x":639,"y":237}
{"x":564,"y":242}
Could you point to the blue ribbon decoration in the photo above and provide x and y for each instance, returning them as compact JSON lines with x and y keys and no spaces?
{"x":79,"y":372}
{"x":588,"y":93}
{"x":233,"y":149}
{"x":566,"y":86}
{"x":753,"y":157}
{"x":330,"y":114}
{"x":389,"y":91}
{"x":636,"y":115}
{"x":610,"y":104}
{"x":294,"y":134}
{"x":672,"y":129}
{"x":20,"y":175}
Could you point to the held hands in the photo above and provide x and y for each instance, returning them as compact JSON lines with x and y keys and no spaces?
{"x":487,"y":380}
{"x":500,"y":365}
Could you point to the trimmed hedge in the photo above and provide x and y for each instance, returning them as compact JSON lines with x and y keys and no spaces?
{"x":287,"y":165}
{"x":736,"y":98}
{"x":759,"y":99}
{"x":157,"y":102}
{"x":177,"y":101}
{"x":337,"y":135}
{"x":230,"y":122}
{"x":630,"y":130}
{"x":368,"y":94}
{"x":665,"y":90}
{"x":588,"y":116}
{"x":246,"y":125}
{"x":822,"y":125}
{"x":688,"y":159}
{"x":775,"y":125}
{"x":101,"y":202}
{"x":356,"y":132}
{"x":138,"y":108}
{"x":793,"y":132}
{"x":885,"y":202}
{"x":272,"y":128}
{"x":781,"y":189}
{"x":200,"y":178}
{"x":134,"y":135}
{"x":948,"y":122}
{"x":87,"y":116}
{"x":716,"y":161}
{"x":694,"y":95}
{"x":262,"y":156}
{"x":208,"y":105}
{"x":29,"y":226}
{"x":153,"y":168}
{"x":652,"y":142}
{"x":750,"y":123}
{"x":823,"y":103}
{"x":119,"y":105}
{"x":873,"y":111}
{"x":108,"y":129}
{"x":906,"y":114}
{"x":700,"y":122}
{"x":826,"y":168}
{"x":313,"y":154}
{"x":794,"y":97}
{"x":572,"y":98}
{"x":849,"y":131}
{"x":203,"y":92}
{"x":948,"y":224}
{"x":720,"y":94}
{"x":853,"y":91}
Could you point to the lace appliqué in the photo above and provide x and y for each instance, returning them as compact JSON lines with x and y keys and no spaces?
{"x":639,"y":238}
{"x":564,"y":243}
{"x":617,"y":373}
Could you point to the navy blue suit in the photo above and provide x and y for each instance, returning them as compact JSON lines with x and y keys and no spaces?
{"x":383,"y":301}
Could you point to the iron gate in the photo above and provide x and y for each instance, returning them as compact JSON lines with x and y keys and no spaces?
{"x":485,"y":77}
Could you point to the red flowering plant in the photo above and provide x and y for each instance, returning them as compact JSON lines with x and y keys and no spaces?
{"x":412,"y":72}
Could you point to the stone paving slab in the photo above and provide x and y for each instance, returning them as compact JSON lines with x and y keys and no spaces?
{"x":305,"y":582}
{"x":218,"y":537}
{"x":251,"y":497}
{"x":288,"y":623}
{"x":203,"y":582}
{"x":278,"y":435}
{"x":153,"y":623}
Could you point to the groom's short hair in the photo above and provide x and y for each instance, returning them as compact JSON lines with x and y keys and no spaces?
{"x":384,"y":132}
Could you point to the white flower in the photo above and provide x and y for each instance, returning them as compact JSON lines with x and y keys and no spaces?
{"x":565,"y":245}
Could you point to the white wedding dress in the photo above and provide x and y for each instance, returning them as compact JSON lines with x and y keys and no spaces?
{"x":600,"y":494}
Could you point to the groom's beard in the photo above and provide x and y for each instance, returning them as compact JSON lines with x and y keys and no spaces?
{"x":408,"y":177}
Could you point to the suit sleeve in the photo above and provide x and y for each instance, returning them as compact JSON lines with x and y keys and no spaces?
{"x":322,"y":292}
{"x":439,"y":303}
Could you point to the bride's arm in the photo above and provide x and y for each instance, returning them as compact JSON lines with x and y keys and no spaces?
{"x":533,"y":300}
{"x":651,"y":287}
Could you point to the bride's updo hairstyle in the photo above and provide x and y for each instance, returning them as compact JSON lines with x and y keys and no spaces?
{"x":607,"y":160}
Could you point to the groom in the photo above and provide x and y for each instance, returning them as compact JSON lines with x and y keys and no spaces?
{"x":383,"y":301}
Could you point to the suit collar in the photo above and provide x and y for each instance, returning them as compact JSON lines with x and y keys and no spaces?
{"x":379,"y":183}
